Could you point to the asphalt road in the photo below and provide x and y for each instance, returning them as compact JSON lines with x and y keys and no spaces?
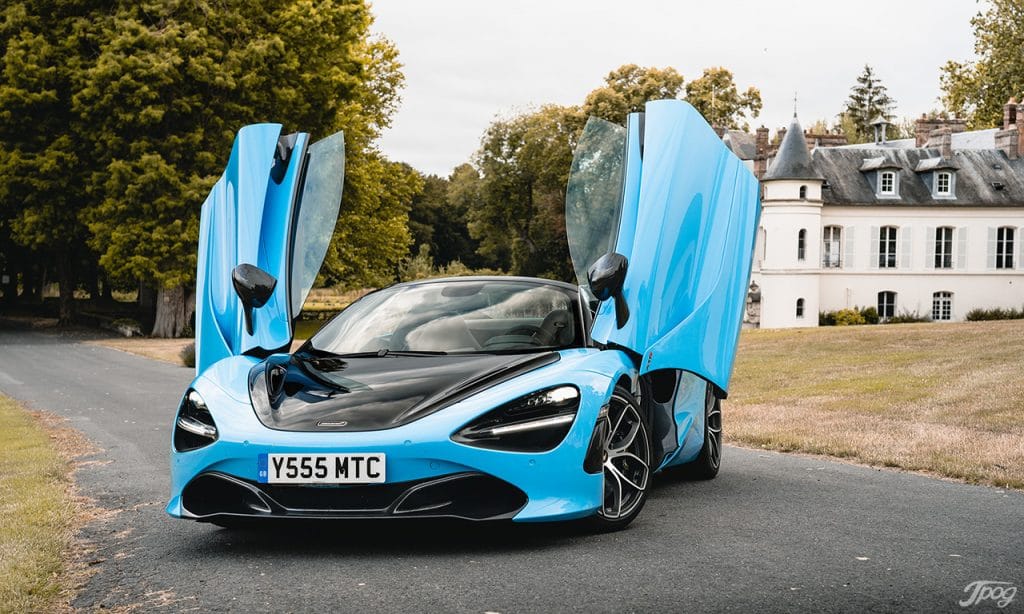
{"x":772,"y":533}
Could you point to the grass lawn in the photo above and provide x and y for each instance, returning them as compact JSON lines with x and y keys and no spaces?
{"x":942,"y":398}
{"x":37,"y":514}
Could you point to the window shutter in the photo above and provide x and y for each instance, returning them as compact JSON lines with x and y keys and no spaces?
{"x":846,"y":258}
{"x":929,"y":241}
{"x":991,"y":261}
{"x":906,"y":246}
{"x":875,"y":238}
{"x":961,"y":248}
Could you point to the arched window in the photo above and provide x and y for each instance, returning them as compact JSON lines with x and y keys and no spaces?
{"x":801,"y":244}
{"x":803,"y":192}
{"x":886,"y":304}
{"x":942,"y":306}
{"x":799,"y":307}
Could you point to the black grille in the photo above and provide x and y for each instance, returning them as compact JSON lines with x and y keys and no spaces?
{"x":471,"y":496}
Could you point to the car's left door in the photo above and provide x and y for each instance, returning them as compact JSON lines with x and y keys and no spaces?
{"x":275,"y":208}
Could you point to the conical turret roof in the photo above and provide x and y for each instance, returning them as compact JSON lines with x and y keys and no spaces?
{"x":792,"y":161}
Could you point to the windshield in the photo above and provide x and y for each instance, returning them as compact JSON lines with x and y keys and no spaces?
{"x":465,"y":316}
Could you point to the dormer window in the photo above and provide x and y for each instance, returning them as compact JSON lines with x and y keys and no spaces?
{"x":887,"y":183}
{"x":944,"y":184}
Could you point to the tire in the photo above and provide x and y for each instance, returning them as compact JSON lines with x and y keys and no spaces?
{"x":627,"y":464}
{"x":709,"y":461}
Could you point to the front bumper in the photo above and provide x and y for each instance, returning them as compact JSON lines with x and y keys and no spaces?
{"x":428,"y":474}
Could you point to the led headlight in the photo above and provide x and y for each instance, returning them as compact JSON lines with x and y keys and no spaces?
{"x":194,"y":427}
{"x":537,"y":422}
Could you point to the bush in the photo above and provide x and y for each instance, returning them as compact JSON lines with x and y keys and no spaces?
{"x":849,"y":317}
{"x":826,"y":318}
{"x":870,"y":315}
{"x":996,"y":313}
{"x":907,"y":317}
{"x":188,"y":355}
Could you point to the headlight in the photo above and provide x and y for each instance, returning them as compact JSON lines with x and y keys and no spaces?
{"x":537,"y":422}
{"x":194,"y":427}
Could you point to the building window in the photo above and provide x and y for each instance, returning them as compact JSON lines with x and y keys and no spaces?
{"x":944,"y":248}
{"x":799,"y":307}
{"x":887,"y":247}
{"x":886,"y":304}
{"x":942,"y":306}
{"x":944,"y":183}
{"x":1004,"y":248}
{"x":803,"y":192}
{"x":801,"y":244}
{"x":887,"y":183}
{"x":831,"y":238}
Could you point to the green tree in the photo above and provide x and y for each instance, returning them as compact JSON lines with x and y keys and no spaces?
{"x":42,"y":48}
{"x":524,"y":166}
{"x":868,"y":100}
{"x":978,"y":90}
{"x":463,"y":196}
{"x":715,"y":95}
{"x":172,"y":81}
{"x":628,"y":88}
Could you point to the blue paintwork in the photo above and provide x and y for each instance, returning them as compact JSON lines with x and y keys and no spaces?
{"x":555,"y":483}
{"x":245,"y":219}
{"x":690,"y":251}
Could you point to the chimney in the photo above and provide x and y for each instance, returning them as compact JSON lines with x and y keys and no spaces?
{"x":1009,"y":142}
{"x":761,"y":142}
{"x":946,"y":145}
{"x":1010,"y":113}
{"x":922,"y":128}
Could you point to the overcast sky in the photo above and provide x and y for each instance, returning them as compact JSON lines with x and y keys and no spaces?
{"x":468,"y":61}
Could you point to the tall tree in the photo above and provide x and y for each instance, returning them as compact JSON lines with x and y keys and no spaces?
{"x":978,"y":90}
{"x":42,"y":47}
{"x":524,"y":166}
{"x":628,"y":88}
{"x":170,"y":84}
{"x":715,"y":95}
{"x":868,"y":100}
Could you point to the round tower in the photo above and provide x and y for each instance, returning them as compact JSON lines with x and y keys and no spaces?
{"x":787,"y":259}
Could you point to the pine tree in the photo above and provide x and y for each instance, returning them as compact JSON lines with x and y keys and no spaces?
{"x":868,"y":100}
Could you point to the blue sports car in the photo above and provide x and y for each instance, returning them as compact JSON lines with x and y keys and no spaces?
{"x":478,"y":398}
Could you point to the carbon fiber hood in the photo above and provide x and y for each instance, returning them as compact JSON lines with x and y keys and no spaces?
{"x":308,"y":391}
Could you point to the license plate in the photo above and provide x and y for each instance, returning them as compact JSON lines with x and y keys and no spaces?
{"x":321,"y":468}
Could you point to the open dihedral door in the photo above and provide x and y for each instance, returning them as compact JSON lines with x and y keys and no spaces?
{"x":667,"y":194}
{"x":275,"y":208}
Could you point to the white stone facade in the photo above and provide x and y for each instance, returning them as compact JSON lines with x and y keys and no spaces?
{"x":972,"y":278}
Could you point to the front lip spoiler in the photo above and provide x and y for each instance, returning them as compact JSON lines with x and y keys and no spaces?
{"x":467,"y":496}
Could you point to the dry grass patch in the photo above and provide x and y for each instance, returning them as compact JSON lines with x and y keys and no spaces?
{"x":39,"y":511}
{"x":167,"y":350}
{"x":942,"y":398}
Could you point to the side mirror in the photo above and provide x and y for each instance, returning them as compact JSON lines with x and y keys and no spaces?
{"x":605,"y":279}
{"x":253,"y":286}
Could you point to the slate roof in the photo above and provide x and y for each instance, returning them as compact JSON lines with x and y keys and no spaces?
{"x":793,"y":160}
{"x":978,"y":174}
{"x":974,"y":139}
{"x":743,"y":144}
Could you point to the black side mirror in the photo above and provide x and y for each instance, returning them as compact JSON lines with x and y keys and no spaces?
{"x":254,"y":286}
{"x":605,"y":278}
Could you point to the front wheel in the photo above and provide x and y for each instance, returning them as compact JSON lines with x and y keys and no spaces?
{"x":627,"y":464}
